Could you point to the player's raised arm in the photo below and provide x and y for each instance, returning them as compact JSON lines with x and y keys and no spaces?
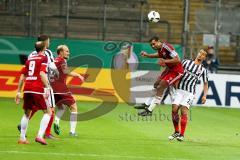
{"x":145,"y":54}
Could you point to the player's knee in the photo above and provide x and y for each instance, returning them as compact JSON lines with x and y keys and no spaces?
{"x":184,"y":110}
{"x":48,"y":111}
{"x":164,"y":84}
{"x":27,"y":113}
{"x":155,"y":85}
{"x":174,"y":108}
{"x":73,"y":107}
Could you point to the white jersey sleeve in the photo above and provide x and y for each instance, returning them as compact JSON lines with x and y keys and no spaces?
{"x":50,"y":57}
{"x":51,"y":65}
{"x":172,"y":52}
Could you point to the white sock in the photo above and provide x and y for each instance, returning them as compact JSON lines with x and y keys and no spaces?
{"x":148,"y":101}
{"x":59,"y":114}
{"x":156,"y":100}
{"x":24,"y":125}
{"x":43,"y":125}
{"x":73,"y":122}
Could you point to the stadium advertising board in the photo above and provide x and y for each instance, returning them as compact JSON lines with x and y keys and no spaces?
{"x":224,"y":90}
{"x":98,"y":84}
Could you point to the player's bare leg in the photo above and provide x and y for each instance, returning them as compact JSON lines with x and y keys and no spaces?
{"x":156,"y":99}
{"x":183,"y":122}
{"x":73,"y":119}
{"x":24,"y":125}
{"x":43,"y":125}
{"x":175,"y":120}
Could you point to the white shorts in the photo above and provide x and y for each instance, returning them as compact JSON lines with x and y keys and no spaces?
{"x":50,"y":100}
{"x":183,"y":98}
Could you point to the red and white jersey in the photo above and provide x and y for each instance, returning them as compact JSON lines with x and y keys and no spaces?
{"x":59,"y":85}
{"x":33,"y":66}
{"x":168,"y":52}
{"x":50,"y":61}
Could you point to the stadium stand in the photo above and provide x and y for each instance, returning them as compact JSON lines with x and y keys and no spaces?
{"x":123,"y":21}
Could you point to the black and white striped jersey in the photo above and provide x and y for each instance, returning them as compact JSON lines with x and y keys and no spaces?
{"x":192,"y":73}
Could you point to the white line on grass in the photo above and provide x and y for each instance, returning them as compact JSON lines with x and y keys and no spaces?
{"x":91,"y":155}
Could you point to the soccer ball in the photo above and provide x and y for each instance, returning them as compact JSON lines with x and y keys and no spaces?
{"x":153,"y":16}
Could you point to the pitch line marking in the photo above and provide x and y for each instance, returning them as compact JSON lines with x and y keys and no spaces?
{"x":91,"y":155}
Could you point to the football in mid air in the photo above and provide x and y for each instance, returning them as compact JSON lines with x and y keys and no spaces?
{"x":154,"y":16}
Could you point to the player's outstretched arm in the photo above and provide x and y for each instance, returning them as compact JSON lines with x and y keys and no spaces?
{"x":69,"y":73}
{"x":74,"y":74}
{"x":145,"y":54}
{"x":205,"y":91}
{"x":20,"y":84}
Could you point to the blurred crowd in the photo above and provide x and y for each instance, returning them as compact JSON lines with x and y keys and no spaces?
{"x":211,"y":62}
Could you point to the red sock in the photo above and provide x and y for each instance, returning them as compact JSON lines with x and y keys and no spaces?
{"x":175,"y":120}
{"x":34,"y":110}
{"x":184,"y":119}
{"x":48,"y":130}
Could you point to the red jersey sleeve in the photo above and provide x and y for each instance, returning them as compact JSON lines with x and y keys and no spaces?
{"x":62,"y":64}
{"x":170,"y":50}
{"x":23,"y":70}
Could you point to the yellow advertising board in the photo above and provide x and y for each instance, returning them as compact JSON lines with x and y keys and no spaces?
{"x":98,"y":84}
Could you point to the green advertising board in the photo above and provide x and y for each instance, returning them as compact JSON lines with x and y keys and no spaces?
{"x":12,"y":47}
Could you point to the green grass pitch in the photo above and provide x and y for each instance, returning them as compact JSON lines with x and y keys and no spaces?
{"x":212,"y":133}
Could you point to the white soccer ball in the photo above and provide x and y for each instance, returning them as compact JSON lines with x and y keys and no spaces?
{"x":153,"y":16}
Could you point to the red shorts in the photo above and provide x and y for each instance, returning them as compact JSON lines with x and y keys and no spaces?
{"x":34,"y":101}
{"x":170,"y":77}
{"x":66,"y":99}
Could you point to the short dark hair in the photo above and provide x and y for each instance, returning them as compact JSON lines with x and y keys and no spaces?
{"x":42,"y":37}
{"x":39,"y":46}
{"x":154,"y":38}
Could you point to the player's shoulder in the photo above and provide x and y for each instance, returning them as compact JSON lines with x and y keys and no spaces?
{"x":48,"y":52}
{"x":33,"y":53}
{"x":167,"y":45}
{"x":59,"y":60}
{"x":41,"y":56}
{"x":186,"y":60}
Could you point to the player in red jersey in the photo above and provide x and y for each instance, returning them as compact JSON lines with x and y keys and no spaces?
{"x":170,"y":76}
{"x":36,"y":92}
{"x":52,"y":71}
{"x":62,"y":94}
